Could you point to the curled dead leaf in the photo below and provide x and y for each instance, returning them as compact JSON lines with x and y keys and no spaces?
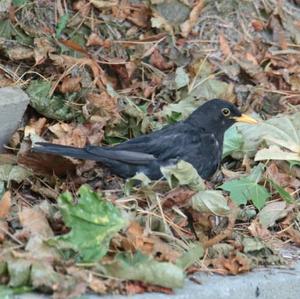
{"x":103,"y":105}
{"x":233,"y":265}
{"x":159,"y":61}
{"x":70,"y":84}
{"x":187,"y":26}
{"x":224,"y":45}
{"x":5,"y":204}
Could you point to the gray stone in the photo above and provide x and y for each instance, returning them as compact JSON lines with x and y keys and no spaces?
{"x":13,"y":102}
{"x":270,"y":283}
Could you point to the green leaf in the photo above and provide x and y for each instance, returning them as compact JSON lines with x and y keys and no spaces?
{"x":233,"y":141}
{"x":93,"y":222}
{"x":140,"y":178}
{"x":243,"y":189}
{"x":210,"y":201}
{"x":8,"y":293}
{"x":252,"y":245}
{"x":146,"y":269}
{"x":19,"y":272}
{"x":2,"y":188}
{"x":55,"y":107}
{"x":279,"y":136}
{"x":14,"y":173}
{"x":6,"y":29}
{"x":181,"y":78}
{"x":193,"y":255}
{"x":286,"y":196}
{"x":19,"y":2}
{"x":183,"y":173}
{"x":61,"y":25}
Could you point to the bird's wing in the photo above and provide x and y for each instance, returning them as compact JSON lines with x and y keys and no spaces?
{"x":126,"y":156}
{"x":159,"y":142}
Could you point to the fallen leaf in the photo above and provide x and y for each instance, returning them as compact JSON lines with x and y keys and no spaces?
{"x":70,"y":84}
{"x":93,"y":222}
{"x":188,"y":25}
{"x":272,"y":212}
{"x":181,"y":78}
{"x":34,"y":220}
{"x":144,"y":268}
{"x":247,"y":188}
{"x":258,"y":25}
{"x":183,"y":173}
{"x":104,"y":105}
{"x":5,"y":204}
{"x":210,"y":201}
{"x":224,"y":45}
{"x":234,"y":264}
{"x":159,"y":61}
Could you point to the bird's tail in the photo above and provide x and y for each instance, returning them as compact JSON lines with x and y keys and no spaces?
{"x":96,"y":153}
{"x":63,"y":150}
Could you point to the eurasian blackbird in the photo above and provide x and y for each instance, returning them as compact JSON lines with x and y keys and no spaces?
{"x":197,"y":140}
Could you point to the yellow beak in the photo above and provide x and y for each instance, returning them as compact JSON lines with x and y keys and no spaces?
{"x":245,"y":119}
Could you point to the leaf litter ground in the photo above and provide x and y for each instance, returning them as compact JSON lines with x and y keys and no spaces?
{"x":99,"y":72}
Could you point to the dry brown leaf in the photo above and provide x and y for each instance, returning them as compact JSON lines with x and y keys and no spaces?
{"x":179,"y":197}
{"x":20,"y":53}
{"x":289,"y":231}
{"x":94,"y":283}
{"x":3,"y":229}
{"x":94,"y":40}
{"x":150,"y":245}
{"x":68,"y":134}
{"x":159,"y":61}
{"x":281,"y":178}
{"x":258,"y":231}
{"x":136,"y":240}
{"x":43,"y":163}
{"x":188,"y":25}
{"x":41,"y":50}
{"x":70,"y":84}
{"x":34,"y":221}
{"x":234,"y":264}
{"x":278,"y":33}
{"x":37,"y":125}
{"x":139,"y":14}
{"x":251,"y":58}
{"x":258,"y":25}
{"x":78,"y":135}
{"x":100,"y":77}
{"x":104,"y":3}
{"x":224,"y":45}
{"x":5,"y":204}
{"x":104,"y":105}
{"x":83,"y":7}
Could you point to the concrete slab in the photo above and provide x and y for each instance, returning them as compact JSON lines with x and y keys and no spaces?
{"x":266,"y":283}
{"x":13,"y":102}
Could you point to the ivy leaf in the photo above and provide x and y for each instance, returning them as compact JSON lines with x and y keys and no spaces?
{"x":244,"y":189}
{"x":210,"y":201}
{"x":93,"y":222}
{"x":55,"y":107}
{"x":183,"y":173}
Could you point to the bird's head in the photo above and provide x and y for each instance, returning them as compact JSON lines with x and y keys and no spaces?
{"x":218,"y":115}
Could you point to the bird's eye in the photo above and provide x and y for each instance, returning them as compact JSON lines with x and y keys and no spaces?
{"x":226,"y":111}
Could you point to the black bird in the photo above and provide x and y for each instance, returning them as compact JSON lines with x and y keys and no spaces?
{"x":197,"y":140}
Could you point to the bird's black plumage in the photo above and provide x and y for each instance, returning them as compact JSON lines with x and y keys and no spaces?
{"x":197,"y":140}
